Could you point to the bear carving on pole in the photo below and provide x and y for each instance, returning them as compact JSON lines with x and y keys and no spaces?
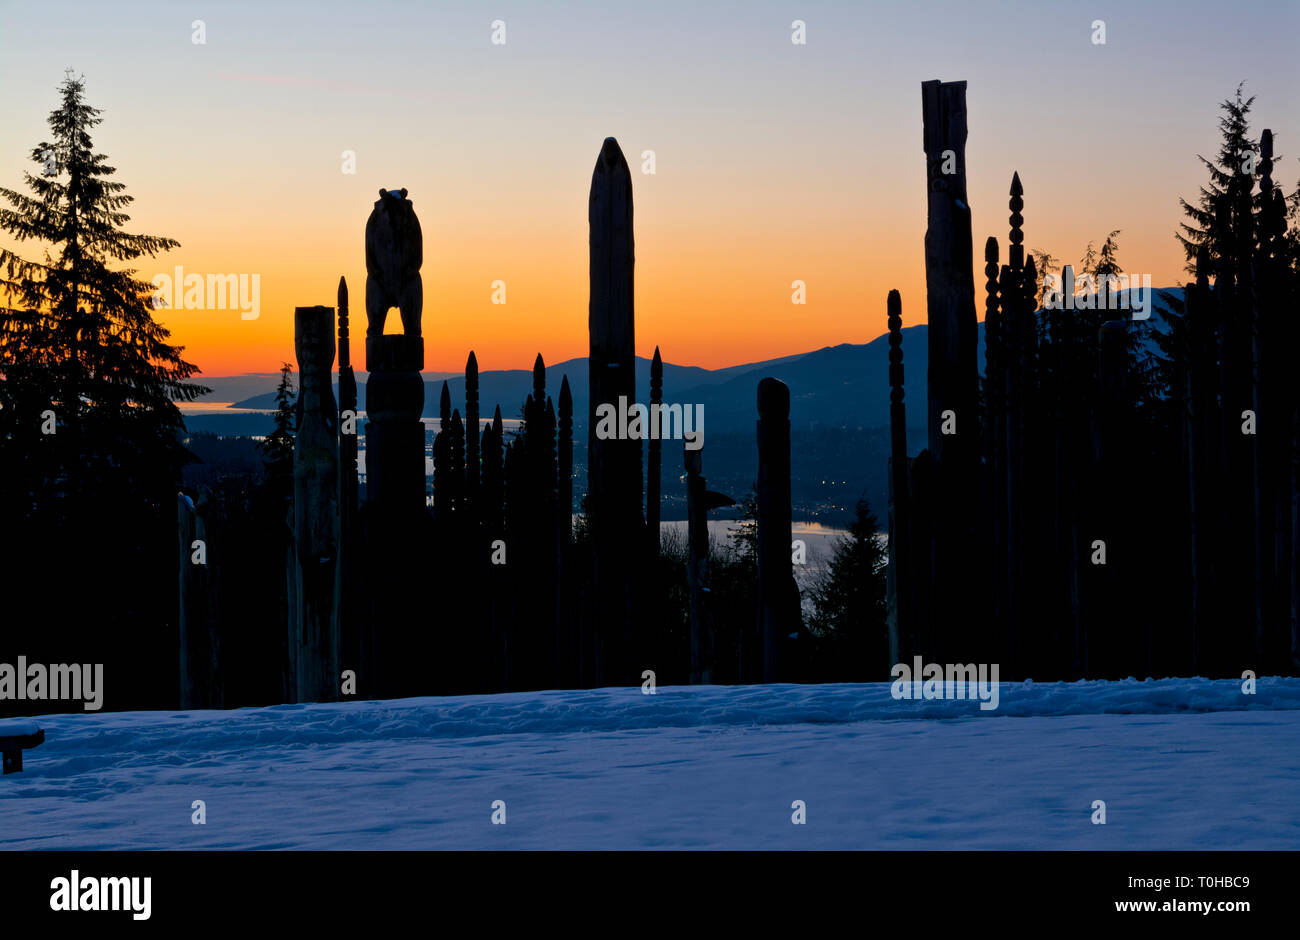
{"x":394,"y":253}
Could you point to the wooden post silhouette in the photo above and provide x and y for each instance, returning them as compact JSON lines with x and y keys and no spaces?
{"x":777,"y":618}
{"x":200,"y":602}
{"x":353,"y":630}
{"x":394,"y":389}
{"x":492,"y":502}
{"x":995,"y":396}
{"x":953,"y":370}
{"x":1275,"y":337}
{"x":396,"y":515}
{"x":568,"y":654}
{"x":697,"y":568}
{"x":899,"y":577}
{"x":564,"y":518}
{"x":654,"y":457}
{"x":442,"y":488}
{"x":1112,"y":644}
{"x":614,"y":465}
{"x":314,"y":640}
{"x":473,"y":431}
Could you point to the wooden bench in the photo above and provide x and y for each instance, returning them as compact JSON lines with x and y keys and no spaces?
{"x":16,"y":737}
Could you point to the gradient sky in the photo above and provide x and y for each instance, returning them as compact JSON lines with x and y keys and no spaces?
{"x":775,"y":162}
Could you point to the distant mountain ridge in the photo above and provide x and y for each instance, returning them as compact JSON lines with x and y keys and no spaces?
{"x":830,"y":386}
{"x":839,"y":416}
{"x":843,"y":386}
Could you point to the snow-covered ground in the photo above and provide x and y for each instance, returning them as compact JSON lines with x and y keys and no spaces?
{"x":1180,"y":764}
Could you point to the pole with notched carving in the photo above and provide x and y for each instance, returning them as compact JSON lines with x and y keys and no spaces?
{"x":314,"y":640}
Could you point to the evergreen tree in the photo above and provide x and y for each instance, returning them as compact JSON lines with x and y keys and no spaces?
{"x":1291,"y":239}
{"x":849,"y":601}
{"x":1099,"y":265}
{"x":78,"y":338}
{"x":1045,"y":263}
{"x":277,"y":447}
{"x":90,"y":435}
{"x":1231,"y":164}
{"x":1108,"y":258}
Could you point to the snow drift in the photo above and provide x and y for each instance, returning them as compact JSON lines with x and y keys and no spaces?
{"x":1180,"y":764}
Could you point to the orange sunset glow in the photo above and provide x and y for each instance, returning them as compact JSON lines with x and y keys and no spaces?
{"x":773,"y":163}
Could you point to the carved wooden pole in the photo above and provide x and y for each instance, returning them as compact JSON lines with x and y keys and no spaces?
{"x":994,"y":379}
{"x":394,"y":389}
{"x":314,"y":640}
{"x":564,"y":518}
{"x":1111,"y":643}
{"x":1017,"y":355}
{"x":902,"y":634}
{"x":473,"y":430}
{"x":614,"y":465}
{"x":1234,"y":573}
{"x":1011,"y":465}
{"x":1039,"y":482}
{"x":353,"y":630}
{"x":1201,"y":384}
{"x":456,"y":472}
{"x":953,"y":378}
{"x":514,"y":573}
{"x":539,"y":380}
{"x":568,"y":668}
{"x":549,"y":629}
{"x":654,"y":456}
{"x":193,"y":602}
{"x":1248,"y":646}
{"x":1271,"y":470}
{"x":494,"y":475}
{"x":1279,"y":418}
{"x":995,"y":444}
{"x":442,"y":497}
{"x":697,"y":568}
{"x":492,"y":498}
{"x":950,"y":284}
{"x":395,"y":480}
{"x":777,"y":618}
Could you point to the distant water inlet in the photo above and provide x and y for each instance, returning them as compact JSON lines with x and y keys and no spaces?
{"x":811,"y":550}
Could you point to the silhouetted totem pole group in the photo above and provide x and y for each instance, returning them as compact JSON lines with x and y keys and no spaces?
{"x":1031,"y":531}
{"x":487,"y":585}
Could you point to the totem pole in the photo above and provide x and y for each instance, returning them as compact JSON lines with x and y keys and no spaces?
{"x":614,"y":465}
{"x":953,"y":371}
{"x":314,"y":642}
{"x":778,"y":595}
{"x":397,"y":519}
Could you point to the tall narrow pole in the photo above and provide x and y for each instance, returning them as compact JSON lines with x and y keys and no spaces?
{"x":614,"y":463}
{"x":697,"y":570}
{"x":953,"y":379}
{"x":314,"y":640}
{"x":654,"y":455}
{"x":901,"y":625}
{"x":778,"y":608}
{"x":353,"y":647}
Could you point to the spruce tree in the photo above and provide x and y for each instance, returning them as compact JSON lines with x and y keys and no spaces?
{"x":90,"y":437}
{"x":277,"y":447}
{"x":1098,"y":265}
{"x":849,"y":601}
{"x":1231,"y":163}
{"x":78,"y":340}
